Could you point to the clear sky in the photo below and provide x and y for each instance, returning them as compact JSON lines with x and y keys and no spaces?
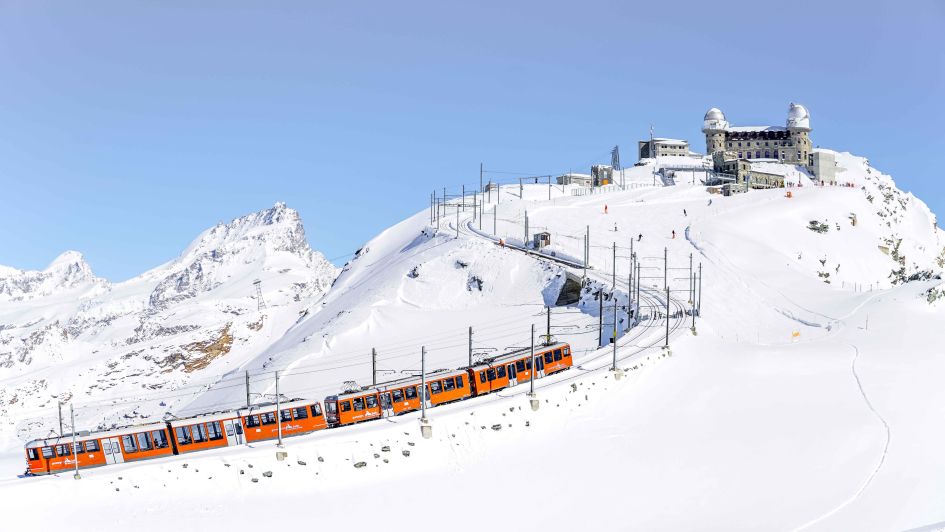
{"x":128,"y":127}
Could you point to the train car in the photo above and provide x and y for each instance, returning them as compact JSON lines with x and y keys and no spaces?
{"x":352,"y":407}
{"x":444,"y":386}
{"x":296,"y":417}
{"x":116,"y":446}
{"x":514,"y":368}
{"x":209,"y":431}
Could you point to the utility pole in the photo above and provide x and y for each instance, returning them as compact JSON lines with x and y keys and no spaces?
{"x":666,"y":345}
{"x":614,"y":368}
{"x":613,"y":281}
{"x":531,"y":374}
{"x":425,"y":429}
{"x":475,"y":206}
{"x":525,"y":242}
{"x":457,"y":222}
{"x":699,"y":297}
{"x":692,"y":302}
{"x":279,"y":411}
{"x":463,"y":204}
{"x":521,"y":189}
{"x":638,"y":281}
{"x":665,"y":268}
{"x":431,"y":208}
{"x":548,"y":327}
{"x":549,"y":188}
{"x":75,"y":452}
{"x":600,"y":318}
{"x":470,"y":346}
{"x":247,"y":390}
{"x":61,"y":432}
{"x":373,"y":366}
{"x":584,"y":275}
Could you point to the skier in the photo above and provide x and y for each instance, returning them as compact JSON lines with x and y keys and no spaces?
{"x":640,"y":237}
{"x":710,"y":202}
{"x":674,"y":234}
{"x":615,"y":228}
{"x":684,"y":212}
{"x":605,"y":208}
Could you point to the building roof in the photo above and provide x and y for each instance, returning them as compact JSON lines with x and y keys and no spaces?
{"x":661,"y":139}
{"x":748,"y":129}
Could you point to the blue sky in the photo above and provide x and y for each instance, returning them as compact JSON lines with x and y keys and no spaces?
{"x":126,"y":128}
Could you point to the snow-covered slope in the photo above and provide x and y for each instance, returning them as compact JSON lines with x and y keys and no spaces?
{"x":66,"y":335}
{"x":808,"y":399}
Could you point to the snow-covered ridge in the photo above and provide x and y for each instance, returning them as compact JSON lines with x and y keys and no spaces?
{"x":65,"y":333}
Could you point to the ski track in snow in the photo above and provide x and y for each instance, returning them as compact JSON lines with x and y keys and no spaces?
{"x":882,"y":458}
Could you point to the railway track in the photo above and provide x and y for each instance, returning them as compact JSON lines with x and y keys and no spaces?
{"x":639,"y":340}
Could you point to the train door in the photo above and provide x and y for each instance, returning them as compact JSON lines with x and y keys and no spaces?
{"x":234,"y":432}
{"x":387,"y":406}
{"x":112,"y":450}
{"x":513,"y":375}
{"x":539,"y":366}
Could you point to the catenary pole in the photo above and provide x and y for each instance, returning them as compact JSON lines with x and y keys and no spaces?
{"x":665,"y":268}
{"x":470,"y":346}
{"x":666,"y":345}
{"x":278,"y":411}
{"x":531,"y":374}
{"x":423,"y":384}
{"x":373,"y":366}
{"x":548,"y":326}
{"x":247,"y":390}
{"x":699,"y":307}
{"x":60,"y":419}
{"x":600,"y":318}
{"x":75,"y":452}
{"x":614,"y":368}
{"x":692,"y":296}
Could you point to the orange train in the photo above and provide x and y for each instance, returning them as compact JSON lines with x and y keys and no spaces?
{"x":259,"y":423}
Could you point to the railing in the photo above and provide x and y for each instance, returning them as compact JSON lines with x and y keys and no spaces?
{"x":590,"y":191}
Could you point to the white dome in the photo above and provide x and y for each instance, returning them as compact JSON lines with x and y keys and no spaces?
{"x":798,"y":117}
{"x":714,"y":120}
{"x":714,"y":114}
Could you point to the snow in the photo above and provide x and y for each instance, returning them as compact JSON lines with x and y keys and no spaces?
{"x":799,"y":403}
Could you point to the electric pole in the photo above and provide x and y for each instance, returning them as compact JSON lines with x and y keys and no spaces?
{"x":279,"y":412}
{"x":61,"y":432}
{"x":75,"y":451}
{"x":247,"y":390}
{"x":373,"y":366}
{"x":666,"y":345}
{"x":470,"y":346}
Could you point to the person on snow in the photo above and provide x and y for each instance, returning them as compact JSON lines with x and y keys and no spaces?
{"x":710,"y":202}
{"x":615,"y":228}
{"x":674,"y":234}
{"x":605,"y":208}
{"x":684,"y":212}
{"x":640,"y":237}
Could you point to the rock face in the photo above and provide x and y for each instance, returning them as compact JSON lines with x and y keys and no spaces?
{"x":197,"y":313}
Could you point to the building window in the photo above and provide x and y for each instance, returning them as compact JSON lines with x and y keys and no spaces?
{"x":767,"y":154}
{"x":758,"y":155}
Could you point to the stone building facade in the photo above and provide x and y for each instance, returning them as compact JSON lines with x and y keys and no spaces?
{"x":789,"y":145}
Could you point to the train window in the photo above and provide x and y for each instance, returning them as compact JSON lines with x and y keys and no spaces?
{"x":436,"y":387}
{"x":358,"y":404}
{"x":490,"y":374}
{"x":500,"y":372}
{"x":200,"y":433}
{"x":448,"y":384}
{"x":459,"y":381}
{"x":252,"y":421}
{"x":63,"y":450}
{"x":557,"y":354}
{"x":159,"y":439}
{"x":268,"y":418}
{"x":300,"y":413}
{"x":548,"y":358}
{"x":128,"y":442}
{"x":144,"y":441}
{"x":317,"y":410}
{"x":528,"y":364}
{"x":77,"y":447}
{"x":183,"y":435}
{"x":398,"y":395}
{"x":519,"y":366}
{"x":371,"y":401}
{"x":48,"y":452}
{"x":410,"y":392}
{"x":567,"y":351}
{"x":285,"y":415}
{"x":214,"y":430}
{"x":346,"y":406}
{"x":31,"y":454}
{"x":91,"y":446}
{"x":482,"y":377}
